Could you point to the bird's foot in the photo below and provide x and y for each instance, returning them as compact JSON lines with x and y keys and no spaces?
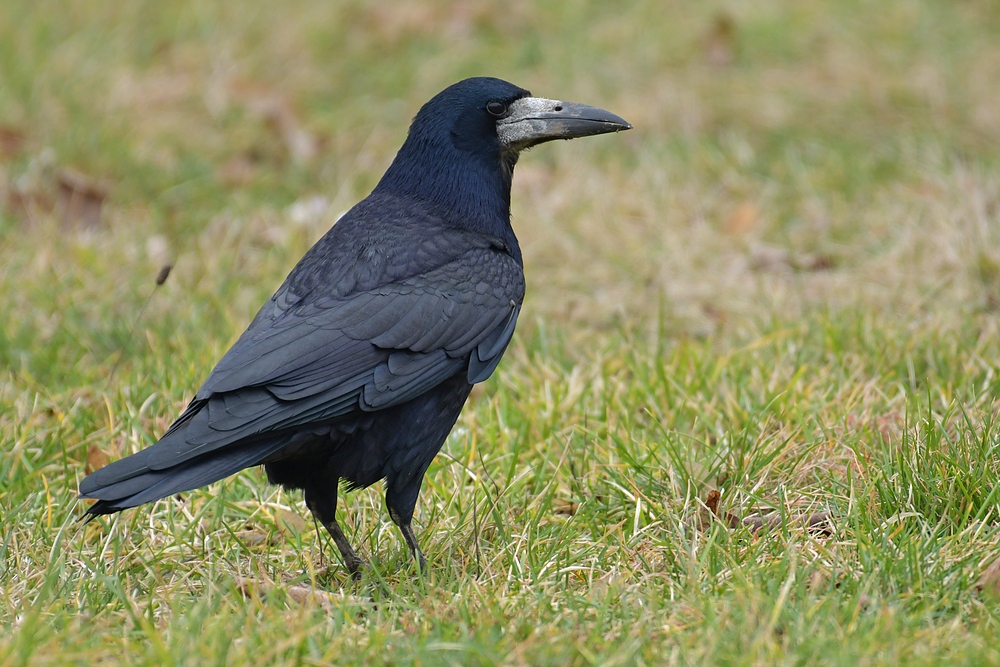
{"x":355,"y":565}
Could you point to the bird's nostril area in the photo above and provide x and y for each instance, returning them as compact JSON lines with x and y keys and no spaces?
{"x":558,"y":107}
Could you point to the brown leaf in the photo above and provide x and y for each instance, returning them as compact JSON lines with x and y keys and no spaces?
{"x":96,"y":459}
{"x":252,"y":538}
{"x":743,"y":219}
{"x":289,"y":522}
{"x":764,"y":257}
{"x":811,"y":262}
{"x":239,"y":171}
{"x":989,"y":581}
{"x":712,"y":503}
{"x":79,"y":198}
{"x":819,"y":523}
{"x":304,"y":594}
{"x":756,"y":523}
{"x":565,"y":507}
{"x":11,"y":141}
{"x":27,"y":204}
{"x":720,"y":42}
{"x":303,"y":146}
{"x":299,"y":593}
{"x":718,"y":316}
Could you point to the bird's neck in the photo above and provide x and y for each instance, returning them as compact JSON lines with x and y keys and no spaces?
{"x":472,"y":193}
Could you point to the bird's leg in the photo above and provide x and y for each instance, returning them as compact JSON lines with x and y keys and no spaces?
{"x":323,"y":505}
{"x":401,"y":512}
{"x":411,"y":540}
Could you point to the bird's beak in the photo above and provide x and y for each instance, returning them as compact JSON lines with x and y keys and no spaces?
{"x":533,"y":120}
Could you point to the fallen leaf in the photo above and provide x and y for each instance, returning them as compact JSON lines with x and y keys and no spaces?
{"x":289,"y":522}
{"x":299,"y":593}
{"x":719,"y":44}
{"x":989,"y":581}
{"x":756,"y":523}
{"x":717,"y":315}
{"x":769,"y":257}
{"x":303,"y":146}
{"x":27,"y":204}
{"x":80,"y":198}
{"x":565,"y":507}
{"x":706,"y":518}
{"x":743,"y":219}
{"x":252,"y":538}
{"x":774,"y":258}
{"x":239,"y":171}
{"x":96,"y":459}
{"x":712,"y":501}
{"x":819,"y":523}
{"x":11,"y":141}
{"x":304,"y":594}
{"x":811,"y":262}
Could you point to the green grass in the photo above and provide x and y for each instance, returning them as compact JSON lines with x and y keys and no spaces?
{"x":783,"y":285}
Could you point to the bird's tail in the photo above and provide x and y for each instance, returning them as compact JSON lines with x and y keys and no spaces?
{"x":131,"y":482}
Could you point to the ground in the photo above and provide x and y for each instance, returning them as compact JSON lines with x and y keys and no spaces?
{"x":779,"y":295}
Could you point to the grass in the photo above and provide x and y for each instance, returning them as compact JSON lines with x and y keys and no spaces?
{"x":782,"y":285}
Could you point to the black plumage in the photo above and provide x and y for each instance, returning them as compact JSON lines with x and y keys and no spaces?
{"x":358,"y":366}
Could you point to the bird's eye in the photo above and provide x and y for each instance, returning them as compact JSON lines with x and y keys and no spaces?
{"x":496,"y":109}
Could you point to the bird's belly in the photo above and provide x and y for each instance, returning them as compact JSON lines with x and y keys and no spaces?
{"x":396,"y":443}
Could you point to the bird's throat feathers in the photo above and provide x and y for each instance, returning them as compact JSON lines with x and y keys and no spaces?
{"x":456,"y":168}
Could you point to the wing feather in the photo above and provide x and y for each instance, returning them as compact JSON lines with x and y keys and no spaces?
{"x":318,"y":360}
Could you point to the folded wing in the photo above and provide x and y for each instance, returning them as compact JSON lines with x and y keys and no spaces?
{"x":306,"y":361}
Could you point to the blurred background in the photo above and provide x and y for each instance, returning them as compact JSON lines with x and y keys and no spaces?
{"x":785,"y":156}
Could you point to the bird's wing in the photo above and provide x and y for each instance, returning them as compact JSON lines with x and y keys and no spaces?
{"x":304,"y":364}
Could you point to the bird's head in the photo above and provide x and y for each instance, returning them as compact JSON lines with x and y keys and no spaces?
{"x":463,"y":144}
{"x":494,"y":119}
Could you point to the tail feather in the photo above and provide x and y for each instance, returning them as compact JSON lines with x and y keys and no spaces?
{"x":115,"y":473}
{"x":129,"y":482}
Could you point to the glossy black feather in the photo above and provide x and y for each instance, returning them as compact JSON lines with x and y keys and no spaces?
{"x":361,"y":360}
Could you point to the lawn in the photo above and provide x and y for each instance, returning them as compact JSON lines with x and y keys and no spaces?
{"x":775,"y":300}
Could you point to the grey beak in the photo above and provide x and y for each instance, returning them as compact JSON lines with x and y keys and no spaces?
{"x":533,"y":120}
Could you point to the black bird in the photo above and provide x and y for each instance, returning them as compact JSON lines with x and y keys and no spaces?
{"x":358,"y":366}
